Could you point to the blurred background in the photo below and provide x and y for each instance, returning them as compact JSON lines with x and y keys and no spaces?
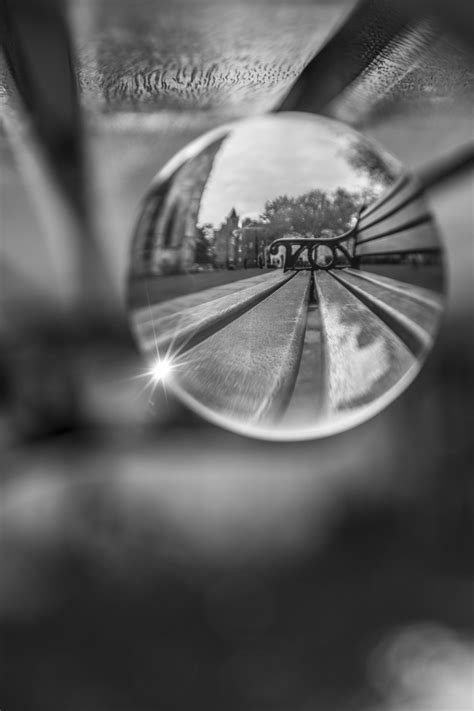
{"x":150,"y":561}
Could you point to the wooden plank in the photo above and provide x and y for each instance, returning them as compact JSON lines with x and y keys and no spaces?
{"x":178,"y":62}
{"x":153,"y":289}
{"x":400,"y":193}
{"x":413,"y":316}
{"x":428,"y":296}
{"x":357,"y":45}
{"x":170,"y":306}
{"x":246,"y":371}
{"x":402,"y":183}
{"x":308,"y":398}
{"x":180,"y":323}
{"x":416,"y":239}
{"x":413,"y":213}
{"x":364,"y":358}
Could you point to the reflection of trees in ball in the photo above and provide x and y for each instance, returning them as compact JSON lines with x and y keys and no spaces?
{"x":368,"y":161}
{"x":205,"y":244}
{"x":311,"y":213}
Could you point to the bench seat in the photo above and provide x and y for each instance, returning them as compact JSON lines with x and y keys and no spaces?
{"x":276,"y":348}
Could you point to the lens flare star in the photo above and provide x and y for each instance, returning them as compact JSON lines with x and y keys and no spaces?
{"x":160,"y":370}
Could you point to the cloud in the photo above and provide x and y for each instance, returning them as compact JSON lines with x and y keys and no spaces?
{"x":276,"y":155}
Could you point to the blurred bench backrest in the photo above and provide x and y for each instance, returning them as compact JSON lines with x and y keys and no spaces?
{"x":397,"y":227}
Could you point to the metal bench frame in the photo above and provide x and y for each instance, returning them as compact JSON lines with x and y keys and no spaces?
{"x":311,"y":245}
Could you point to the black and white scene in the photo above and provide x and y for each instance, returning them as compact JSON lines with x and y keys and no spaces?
{"x":236,"y":355}
{"x":286,"y":277}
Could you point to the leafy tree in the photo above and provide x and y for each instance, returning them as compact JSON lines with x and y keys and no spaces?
{"x":311,"y":213}
{"x":370,"y":162}
{"x":205,"y":241}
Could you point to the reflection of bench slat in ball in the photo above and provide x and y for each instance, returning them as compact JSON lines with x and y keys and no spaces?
{"x":364,"y":357}
{"x":398,"y":228}
{"x":181,"y":323}
{"x":243,"y":344}
{"x":411,"y":312}
{"x":248,"y":368}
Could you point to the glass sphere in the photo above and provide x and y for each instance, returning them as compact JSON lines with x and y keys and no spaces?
{"x":286,"y":277}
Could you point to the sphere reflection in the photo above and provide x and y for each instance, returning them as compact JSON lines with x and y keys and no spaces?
{"x":289,"y":273}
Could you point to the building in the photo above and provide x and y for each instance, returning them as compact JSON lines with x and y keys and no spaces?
{"x":165,"y":240}
{"x":226,"y":242}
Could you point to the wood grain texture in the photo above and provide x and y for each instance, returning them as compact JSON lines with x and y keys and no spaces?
{"x":238,"y":58}
{"x":390,"y":216}
{"x":426,"y":296}
{"x":179,"y":324}
{"x":413,"y":315}
{"x":420,"y":238}
{"x":398,"y":221}
{"x":247,"y":370}
{"x":364,"y":358}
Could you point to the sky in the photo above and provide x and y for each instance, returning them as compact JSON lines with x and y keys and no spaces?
{"x":275,"y":155}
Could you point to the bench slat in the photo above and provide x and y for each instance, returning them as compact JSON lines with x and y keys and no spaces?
{"x":413,"y":320}
{"x":308,"y":397}
{"x":417,"y":239}
{"x":401,"y":193}
{"x":247,"y":369}
{"x":364,"y":357}
{"x":413,"y":213}
{"x":183,"y":322}
{"x":419,"y":293}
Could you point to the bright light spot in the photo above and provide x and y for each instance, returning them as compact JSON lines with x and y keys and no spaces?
{"x":161,"y":370}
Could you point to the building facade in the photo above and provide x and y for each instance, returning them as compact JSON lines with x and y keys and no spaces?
{"x":165,"y":241}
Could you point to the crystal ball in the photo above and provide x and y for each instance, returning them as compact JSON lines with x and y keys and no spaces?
{"x":286,"y":277}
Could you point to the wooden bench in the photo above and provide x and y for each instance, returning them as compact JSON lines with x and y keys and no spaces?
{"x":326,"y":341}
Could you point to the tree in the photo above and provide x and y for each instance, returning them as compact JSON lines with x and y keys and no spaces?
{"x":368,"y":161}
{"x":205,"y":242}
{"x":311,"y":213}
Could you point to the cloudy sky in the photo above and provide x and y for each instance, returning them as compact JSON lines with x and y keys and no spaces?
{"x":275,"y":155}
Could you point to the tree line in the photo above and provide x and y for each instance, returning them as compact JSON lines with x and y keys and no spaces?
{"x":307,"y":215}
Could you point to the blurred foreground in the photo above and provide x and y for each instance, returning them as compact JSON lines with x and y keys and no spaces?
{"x":149,"y":561}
